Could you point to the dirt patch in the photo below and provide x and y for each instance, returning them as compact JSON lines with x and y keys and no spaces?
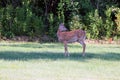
{"x":46,"y":38}
{"x":109,"y":41}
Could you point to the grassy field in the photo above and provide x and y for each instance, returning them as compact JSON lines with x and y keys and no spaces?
{"x":36,"y":61}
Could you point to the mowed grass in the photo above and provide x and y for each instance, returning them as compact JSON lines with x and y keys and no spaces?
{"x":46,"y":61}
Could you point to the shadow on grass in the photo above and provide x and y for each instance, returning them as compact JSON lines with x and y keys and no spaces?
{"x":41,"y":45}
{"x":7,"y":55}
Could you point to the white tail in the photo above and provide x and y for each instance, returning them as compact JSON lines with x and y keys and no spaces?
{"x":71,"y":36}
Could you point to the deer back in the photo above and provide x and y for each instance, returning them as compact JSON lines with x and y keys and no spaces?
{"x":71,"y":36}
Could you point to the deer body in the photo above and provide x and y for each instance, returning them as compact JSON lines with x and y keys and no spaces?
{"x":70,"y":37}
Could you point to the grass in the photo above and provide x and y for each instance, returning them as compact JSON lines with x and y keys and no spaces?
{"x":36,"y":61}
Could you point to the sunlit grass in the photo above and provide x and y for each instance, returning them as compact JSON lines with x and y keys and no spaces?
{"x":46,"y":61}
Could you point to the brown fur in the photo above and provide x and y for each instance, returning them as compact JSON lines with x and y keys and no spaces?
{"x":72,"y":36}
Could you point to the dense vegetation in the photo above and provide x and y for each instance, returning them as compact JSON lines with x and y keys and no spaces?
{"x":36,"y":18}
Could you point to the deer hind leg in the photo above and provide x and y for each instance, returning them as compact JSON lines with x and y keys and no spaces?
{"x":66,"y":49}
{"x":84,"y":47}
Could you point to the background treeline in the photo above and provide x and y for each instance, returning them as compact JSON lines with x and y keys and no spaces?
{"x":36,"y":18}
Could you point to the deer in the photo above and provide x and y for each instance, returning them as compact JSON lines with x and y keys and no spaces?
{"x":66,"y":37}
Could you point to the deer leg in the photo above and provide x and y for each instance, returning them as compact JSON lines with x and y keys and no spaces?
{"x":66,"y":49}
{"x":84,"y":46}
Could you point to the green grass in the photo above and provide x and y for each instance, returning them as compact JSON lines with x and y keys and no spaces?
{"x":36,"y":61}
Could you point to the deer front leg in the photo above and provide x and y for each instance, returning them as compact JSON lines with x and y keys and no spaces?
{"x":66,"y":49}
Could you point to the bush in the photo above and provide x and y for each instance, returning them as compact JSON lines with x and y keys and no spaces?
{"x":76,"y":23}
{"x":95,"y":25}
{"x":20,"y":21}
{"x":53,"y":25}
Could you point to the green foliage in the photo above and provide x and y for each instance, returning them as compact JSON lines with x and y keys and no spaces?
{"x":95,"y":27}
{"x":110,"y":26}
{"x":51,"y":30}
{"x":76,"y":23}
{"x":20,"y":21}
{"x":118,"y":23}
{"x":6,"y":18}
{"x":61,"y":11}
{"x":52,"y":26}
{"x":42,"y":17}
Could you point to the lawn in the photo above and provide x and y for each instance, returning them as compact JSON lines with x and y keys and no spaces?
{"x":45,"y":61}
